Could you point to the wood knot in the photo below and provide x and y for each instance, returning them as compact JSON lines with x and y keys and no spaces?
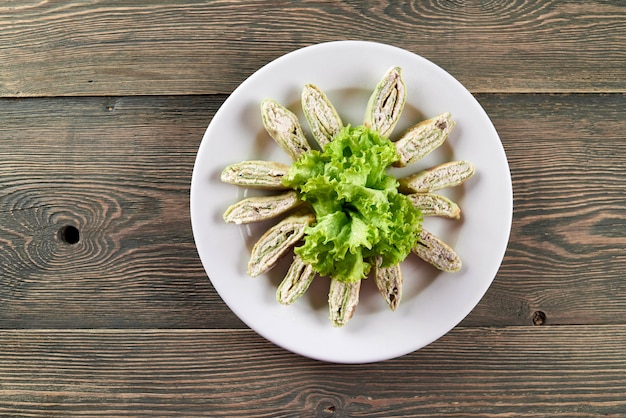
{"x":326,"y":409}
{"x":539,"y":318}
{"x":69,"y":234}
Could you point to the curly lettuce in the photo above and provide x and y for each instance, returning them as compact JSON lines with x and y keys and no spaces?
{"x":360,"y":214}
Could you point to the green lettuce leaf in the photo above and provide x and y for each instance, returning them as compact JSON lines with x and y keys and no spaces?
{"x":359,"y":212}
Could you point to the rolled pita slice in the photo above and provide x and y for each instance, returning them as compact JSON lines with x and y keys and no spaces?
{"x":276,"y":241}
{"x":260,"y":208}
{"x":421,"y":139}
{"x":431,"y":204}
{"x":438,"y":177}
{"x":283,"y":125}
{"x":321,"y":115}
{"x":434,"y":251}
{"x":343,"y":298}
{"x":257,"y":174}
{"x":389,"y":283}
{"x":386,"y":103}
{"x":296,"y":281}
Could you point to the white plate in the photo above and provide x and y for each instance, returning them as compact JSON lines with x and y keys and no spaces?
{"x":433,"y":302}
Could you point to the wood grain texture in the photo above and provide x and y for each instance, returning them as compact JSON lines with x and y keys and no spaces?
{"x":103,"y":105}
{"x":520,"y":371}
{"x":119,"y":170}
{"x":566,"y":255}
{"x":195,"y":47}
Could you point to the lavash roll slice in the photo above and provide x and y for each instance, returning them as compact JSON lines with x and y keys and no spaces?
{"x":431,"y":204}
{"x":388,"y":282}
{"x":283,"y":126}
{"x":421,"y":139}
{"x":296,"y":281}
{"x":436,"y":252}
{"x":386,"y":103}
{"x":277,"y":240}
{"x":343,"y":297}
{"x":445,"y":175}
{"x":256,"y":174}
{"x":321,"y":115}
{"x":260,"y":208}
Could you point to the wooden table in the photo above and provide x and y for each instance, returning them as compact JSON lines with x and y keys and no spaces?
{"x":105,"y":309}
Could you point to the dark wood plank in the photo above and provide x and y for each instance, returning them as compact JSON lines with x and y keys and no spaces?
{"x":188,"y":47}
{"x":520,"y":371}
{"x":119,"y":170}
{"x":566,"y":255}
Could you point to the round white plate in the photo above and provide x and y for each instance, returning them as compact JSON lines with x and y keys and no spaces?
{"x":433,"y":302}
